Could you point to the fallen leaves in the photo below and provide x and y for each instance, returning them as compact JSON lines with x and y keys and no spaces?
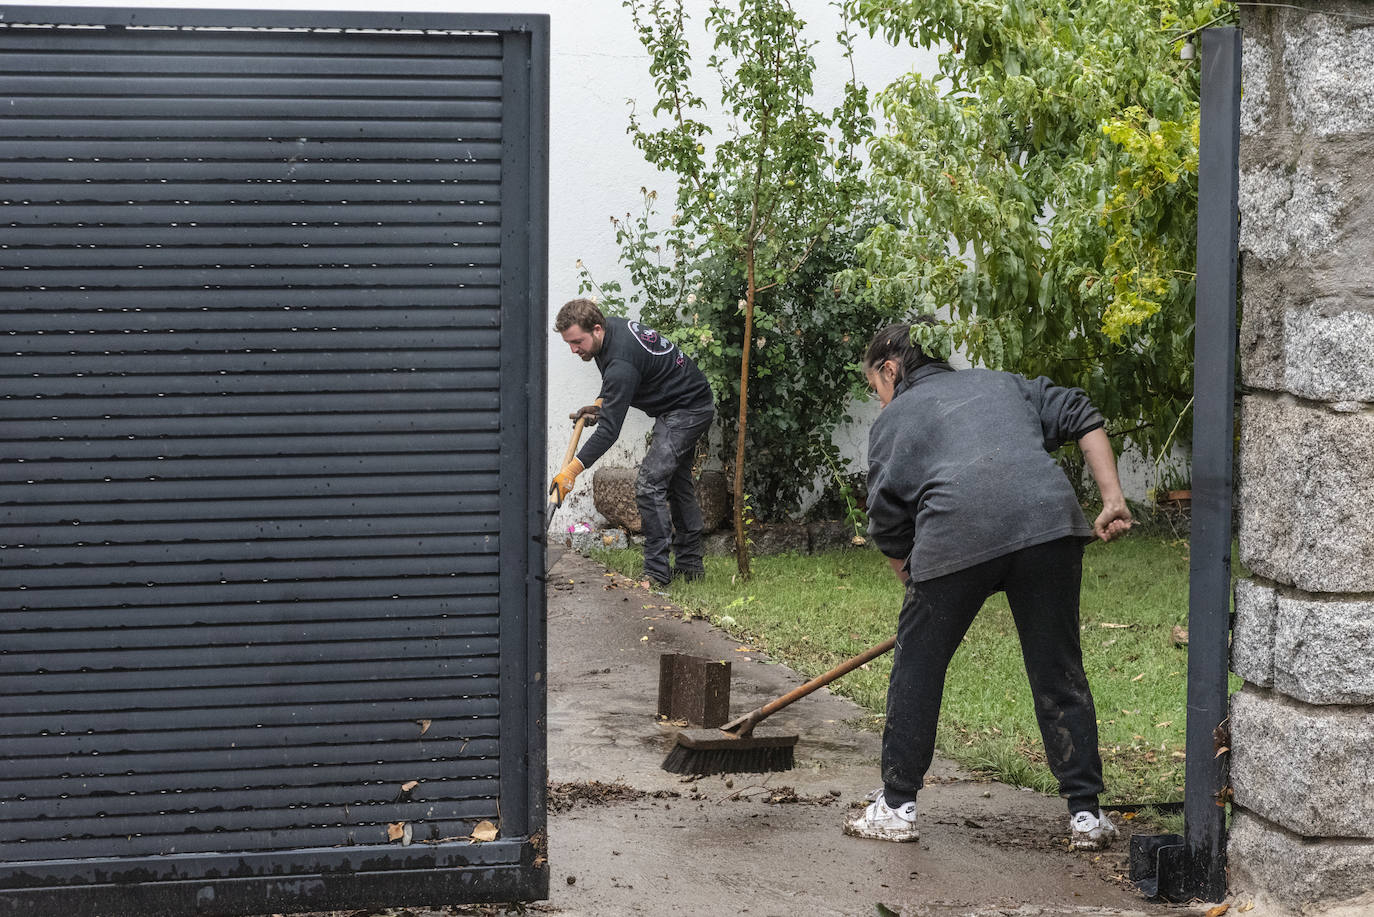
{"x":484,"y":832}
{"x":1179,"y":636}
{"x":1219,"y":909}
{"x":424,"y":725}
{"x":399,"y":831}
{"x":1108,"y":624}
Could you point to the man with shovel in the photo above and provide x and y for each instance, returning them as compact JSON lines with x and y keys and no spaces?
{"x":641,"y":369}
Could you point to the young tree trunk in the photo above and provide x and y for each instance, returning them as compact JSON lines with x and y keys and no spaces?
{"x":741,"y":541}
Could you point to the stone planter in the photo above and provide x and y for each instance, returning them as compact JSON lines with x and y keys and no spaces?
{"x":832,"y":536}
{"x":613,"y":493}
{"x":788,"y":538}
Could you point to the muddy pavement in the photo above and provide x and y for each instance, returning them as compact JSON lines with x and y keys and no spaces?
{"x":626,"y":837}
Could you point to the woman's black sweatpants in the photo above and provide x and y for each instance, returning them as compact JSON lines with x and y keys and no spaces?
{"x":1042,"y":584}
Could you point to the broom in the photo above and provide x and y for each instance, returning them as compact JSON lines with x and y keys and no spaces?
{"x":736,"y":748}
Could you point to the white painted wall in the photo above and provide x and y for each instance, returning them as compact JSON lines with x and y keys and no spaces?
{"x":597,"y":66}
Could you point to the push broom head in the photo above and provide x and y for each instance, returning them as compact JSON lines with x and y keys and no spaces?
{"x":714,"y":751}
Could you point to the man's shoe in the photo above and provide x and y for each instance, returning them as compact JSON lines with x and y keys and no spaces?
{"x":657,"y":586}
{"x":881,"y":823}
{"x":1092,"y":832}
{"x":689,"y":576}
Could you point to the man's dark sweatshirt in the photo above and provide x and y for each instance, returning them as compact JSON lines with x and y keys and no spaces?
{"x":641,"y":369}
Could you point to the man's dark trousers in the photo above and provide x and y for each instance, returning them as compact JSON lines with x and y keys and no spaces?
{"x":666,"y":496}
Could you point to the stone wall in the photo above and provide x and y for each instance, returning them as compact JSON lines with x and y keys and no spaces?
{"x":1302,"y":726}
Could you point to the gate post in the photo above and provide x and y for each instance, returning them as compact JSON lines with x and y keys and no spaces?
{"x":1209,"y":573}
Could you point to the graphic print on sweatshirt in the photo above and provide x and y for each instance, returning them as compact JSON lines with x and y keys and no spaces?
{"x":650,"y":339}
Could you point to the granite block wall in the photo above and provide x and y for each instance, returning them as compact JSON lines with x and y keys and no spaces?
{"x":1302,"y":726}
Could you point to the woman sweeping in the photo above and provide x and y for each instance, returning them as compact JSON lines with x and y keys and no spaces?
{"x":965,"y":501}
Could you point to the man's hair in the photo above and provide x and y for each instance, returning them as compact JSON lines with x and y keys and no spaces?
{"x":895,"y":342}
{"x":581,"y":312}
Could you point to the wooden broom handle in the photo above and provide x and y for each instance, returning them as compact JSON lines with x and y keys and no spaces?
{"x":746,"y":723}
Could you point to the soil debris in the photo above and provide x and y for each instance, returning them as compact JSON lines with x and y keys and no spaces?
{"x":785,"y":795}
{"x":564,"y":797}
{"x":779,"y":796}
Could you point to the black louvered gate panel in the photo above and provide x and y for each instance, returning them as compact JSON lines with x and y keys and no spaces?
{"x":271,"y":385}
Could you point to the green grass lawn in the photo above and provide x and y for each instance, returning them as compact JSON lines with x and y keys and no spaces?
{"x":812,"y":612}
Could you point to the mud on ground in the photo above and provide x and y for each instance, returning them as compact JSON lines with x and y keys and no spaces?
{"x":626,"y":837}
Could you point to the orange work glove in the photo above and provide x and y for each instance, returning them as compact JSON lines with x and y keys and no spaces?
{"x":563,"y":481}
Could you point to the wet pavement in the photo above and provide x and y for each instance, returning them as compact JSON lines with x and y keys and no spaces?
{"x":626,"y":837}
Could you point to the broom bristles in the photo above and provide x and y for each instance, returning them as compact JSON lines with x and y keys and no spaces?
{"x":703,"y":752}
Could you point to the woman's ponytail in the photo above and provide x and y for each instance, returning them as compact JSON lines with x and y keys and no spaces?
{"x":895,"y":343}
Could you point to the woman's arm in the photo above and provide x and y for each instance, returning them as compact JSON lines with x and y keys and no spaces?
{"x":899,"y":568}
{"x":1115,"y":518}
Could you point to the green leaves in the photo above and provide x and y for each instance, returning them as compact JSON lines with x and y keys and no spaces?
{"x":807,"y":342}
{"x":1044,"y":185}
{"x":764,"y":214}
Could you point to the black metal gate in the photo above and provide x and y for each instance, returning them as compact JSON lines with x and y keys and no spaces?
{"x":271,"y":380}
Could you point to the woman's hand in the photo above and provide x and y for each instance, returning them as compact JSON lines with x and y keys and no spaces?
{"x":1115,"y":519}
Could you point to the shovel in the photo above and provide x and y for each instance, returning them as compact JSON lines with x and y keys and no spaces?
{"x":554,"y":553}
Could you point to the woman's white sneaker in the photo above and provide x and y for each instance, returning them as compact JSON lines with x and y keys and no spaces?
{"x":1091,"y":832}
{"x":881,"y":823}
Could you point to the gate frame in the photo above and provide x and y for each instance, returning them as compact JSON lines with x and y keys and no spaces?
{"x":229,"y":883}
{"x":1193,"y":866}
{"x":1207,"y":769}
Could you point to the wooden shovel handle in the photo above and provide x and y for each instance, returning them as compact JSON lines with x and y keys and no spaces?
{"x":572,"y":445}
{"x":745,"y":724}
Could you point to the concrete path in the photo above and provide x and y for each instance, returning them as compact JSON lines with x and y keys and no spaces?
{"x":628,"y":838}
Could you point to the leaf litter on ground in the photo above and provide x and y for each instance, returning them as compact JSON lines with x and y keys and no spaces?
{"x":564,"y":797}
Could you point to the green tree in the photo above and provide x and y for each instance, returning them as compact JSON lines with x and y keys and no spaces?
{"x":1045,"y":188}
{"x":753,"y":205}
{"x":806,"y":354}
